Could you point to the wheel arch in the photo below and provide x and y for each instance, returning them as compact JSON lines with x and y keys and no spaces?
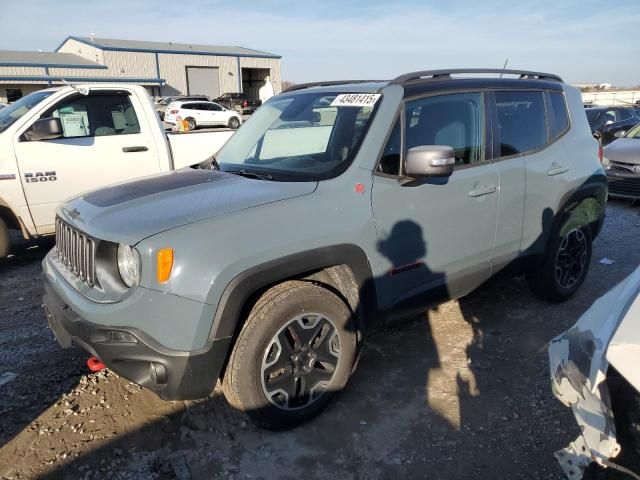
{"x":344,"y":269}
{"x":588,"y":201}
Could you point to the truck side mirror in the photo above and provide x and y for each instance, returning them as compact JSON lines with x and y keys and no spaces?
{"x":430,"y":161}
{"x":45,"y":129}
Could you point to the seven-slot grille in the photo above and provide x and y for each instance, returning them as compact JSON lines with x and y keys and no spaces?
{"x":77,"y":251}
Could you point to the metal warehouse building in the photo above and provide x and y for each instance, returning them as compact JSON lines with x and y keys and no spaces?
{"x":164,"y":68}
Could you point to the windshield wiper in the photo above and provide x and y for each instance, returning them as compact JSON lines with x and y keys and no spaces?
{"x":245,"y":173}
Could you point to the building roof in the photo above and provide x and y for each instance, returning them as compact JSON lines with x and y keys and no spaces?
{"x":170,"y":47}
{"x":18,"y":58}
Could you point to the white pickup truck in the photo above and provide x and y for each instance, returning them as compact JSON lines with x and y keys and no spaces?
{"x":59,"y":142}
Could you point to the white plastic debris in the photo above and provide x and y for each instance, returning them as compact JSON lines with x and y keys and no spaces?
{"x":606,"y":261}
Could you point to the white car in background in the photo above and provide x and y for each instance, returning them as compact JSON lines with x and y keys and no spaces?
{"x":202,"y":114}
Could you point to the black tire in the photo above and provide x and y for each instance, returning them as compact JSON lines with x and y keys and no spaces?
{"x":5,"y":243}
{"x":549,"y":279}
{"x":192,"y":123}
{"x":279,"y":312}
{"x":234,"y":122}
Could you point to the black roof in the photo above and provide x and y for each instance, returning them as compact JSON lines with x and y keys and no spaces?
{"x":419,"y":82}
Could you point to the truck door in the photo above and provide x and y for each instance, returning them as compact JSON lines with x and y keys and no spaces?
{"x":435,"y":236}
{"x":104,"y":142}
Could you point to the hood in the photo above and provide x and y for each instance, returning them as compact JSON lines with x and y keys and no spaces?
{"x":625,"y":150}
{"x":132,"y":211}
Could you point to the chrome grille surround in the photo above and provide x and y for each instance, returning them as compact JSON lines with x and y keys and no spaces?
{"x":76,"y":251}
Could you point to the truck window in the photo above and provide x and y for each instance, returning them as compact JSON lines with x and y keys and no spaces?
{"x":96,"y":116}
{"x":15,"y":111}
{"x":456,"y":120}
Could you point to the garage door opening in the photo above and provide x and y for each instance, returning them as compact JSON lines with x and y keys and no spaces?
{"x":203,"y":81}
{"x":252,"y":80}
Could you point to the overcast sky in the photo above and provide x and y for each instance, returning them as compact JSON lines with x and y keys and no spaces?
{"x":581,"y":40}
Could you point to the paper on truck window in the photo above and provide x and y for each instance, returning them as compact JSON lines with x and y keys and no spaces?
{"x":75,"y":124}
{"x":355,"y":100}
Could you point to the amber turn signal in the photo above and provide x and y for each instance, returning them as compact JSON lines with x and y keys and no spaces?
{"x":165,"y":264}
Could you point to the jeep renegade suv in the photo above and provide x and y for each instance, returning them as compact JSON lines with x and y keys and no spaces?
{"x":337,"y":207}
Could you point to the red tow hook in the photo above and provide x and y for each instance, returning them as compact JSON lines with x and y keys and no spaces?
{"x":95,"y":365}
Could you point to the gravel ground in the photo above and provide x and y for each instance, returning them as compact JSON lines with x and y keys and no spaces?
{"x":460,"y":392}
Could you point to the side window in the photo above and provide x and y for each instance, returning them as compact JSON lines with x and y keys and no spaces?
{"x":188,"y":106}
{"x":390,"y":159}
{"x":623,"y":115}
{"x":214,"y":107}
{"x":456,"y":120}
{"x":96,"y":116}
{"x":521,"y":121}
{"x":559,"y":114}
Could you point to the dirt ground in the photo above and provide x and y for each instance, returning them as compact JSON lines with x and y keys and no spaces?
{"x":460,"y":392}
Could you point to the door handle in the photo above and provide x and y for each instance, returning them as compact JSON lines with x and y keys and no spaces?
{"x":557,"y":170}
{"x":483,"y":190}
{"x":140,"y":148}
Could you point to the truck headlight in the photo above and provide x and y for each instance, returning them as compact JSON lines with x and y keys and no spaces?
{"x":129,"y":265}
{"x":605,"y":162}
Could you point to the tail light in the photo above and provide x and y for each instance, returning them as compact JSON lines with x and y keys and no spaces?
{"x":173,"y":112}
{"x":244,"y":104}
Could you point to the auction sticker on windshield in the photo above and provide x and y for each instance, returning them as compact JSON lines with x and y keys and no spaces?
{"x":356,"y":100}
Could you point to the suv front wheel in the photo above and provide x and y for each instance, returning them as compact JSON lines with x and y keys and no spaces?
{"x":295,"y":351}
{"x":565,"y":264}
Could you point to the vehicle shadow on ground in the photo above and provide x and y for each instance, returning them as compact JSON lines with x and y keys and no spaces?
{"x":27,"y":348}
{"x":471,"y":373}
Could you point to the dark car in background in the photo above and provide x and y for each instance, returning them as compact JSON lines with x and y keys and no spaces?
{"x":605,"y":121}
{"x":621,"y":161}
{"x":239,"y":102}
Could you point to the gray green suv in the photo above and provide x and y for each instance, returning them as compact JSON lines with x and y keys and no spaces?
{"x":336,"y":208}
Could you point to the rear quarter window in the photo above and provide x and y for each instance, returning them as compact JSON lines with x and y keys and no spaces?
{"x":558,"y":114}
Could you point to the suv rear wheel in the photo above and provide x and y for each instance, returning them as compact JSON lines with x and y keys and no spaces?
{"x":295,"y":351}
{"x":234,"y":122}
{"x":565,"y":264}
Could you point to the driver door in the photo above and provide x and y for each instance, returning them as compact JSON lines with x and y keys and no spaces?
{"x":103,"y":143}
{"x":435,"y":235}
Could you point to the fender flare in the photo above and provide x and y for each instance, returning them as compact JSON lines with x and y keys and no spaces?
{"x":576,"y":202}
{"x":244,"y":285}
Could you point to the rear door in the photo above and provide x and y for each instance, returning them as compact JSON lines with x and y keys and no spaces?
{"x":218,"y":114}
{"x":530,"y":123}
{"x":104,"y":142}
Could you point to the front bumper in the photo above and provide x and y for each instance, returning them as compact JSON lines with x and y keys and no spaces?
{"x":172,"y":374}
{"x":623,"y":184}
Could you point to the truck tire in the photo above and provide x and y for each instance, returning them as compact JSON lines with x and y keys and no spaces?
{"x":294,"y":353}
{"x":192,"y":123}
{"x":234,"y":122}
{"x":5,"y":244}
{"x":565,"y":263}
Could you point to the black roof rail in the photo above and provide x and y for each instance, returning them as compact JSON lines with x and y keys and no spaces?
{"x":329,"y":83}
{"x":443,"y":74}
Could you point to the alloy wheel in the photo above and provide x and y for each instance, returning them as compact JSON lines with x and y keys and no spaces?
{"x":300,"y":361}
{"x":571,"y":259}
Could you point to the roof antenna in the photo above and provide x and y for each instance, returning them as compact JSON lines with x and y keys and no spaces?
{"x":504,"y":66}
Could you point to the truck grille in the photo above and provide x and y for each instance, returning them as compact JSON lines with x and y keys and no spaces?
{"x":76,"y":251}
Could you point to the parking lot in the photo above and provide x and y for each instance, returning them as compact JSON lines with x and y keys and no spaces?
{"x":460,"y":392}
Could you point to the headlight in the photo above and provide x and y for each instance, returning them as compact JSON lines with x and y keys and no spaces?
{"x":129,"y":265}
{"x":605,"y":162}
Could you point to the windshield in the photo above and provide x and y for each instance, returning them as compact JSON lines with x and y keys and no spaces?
{"x":300,"y":137}
{"x":634,"y":132}
{"x":593,"y":114}
{"x":13,"y":112}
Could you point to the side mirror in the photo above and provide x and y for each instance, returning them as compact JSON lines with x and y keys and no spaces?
{"x":45,"y":129}
{"x":430,"y":161}
{"x":620,"y":133}
{"x":597,"y":134}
